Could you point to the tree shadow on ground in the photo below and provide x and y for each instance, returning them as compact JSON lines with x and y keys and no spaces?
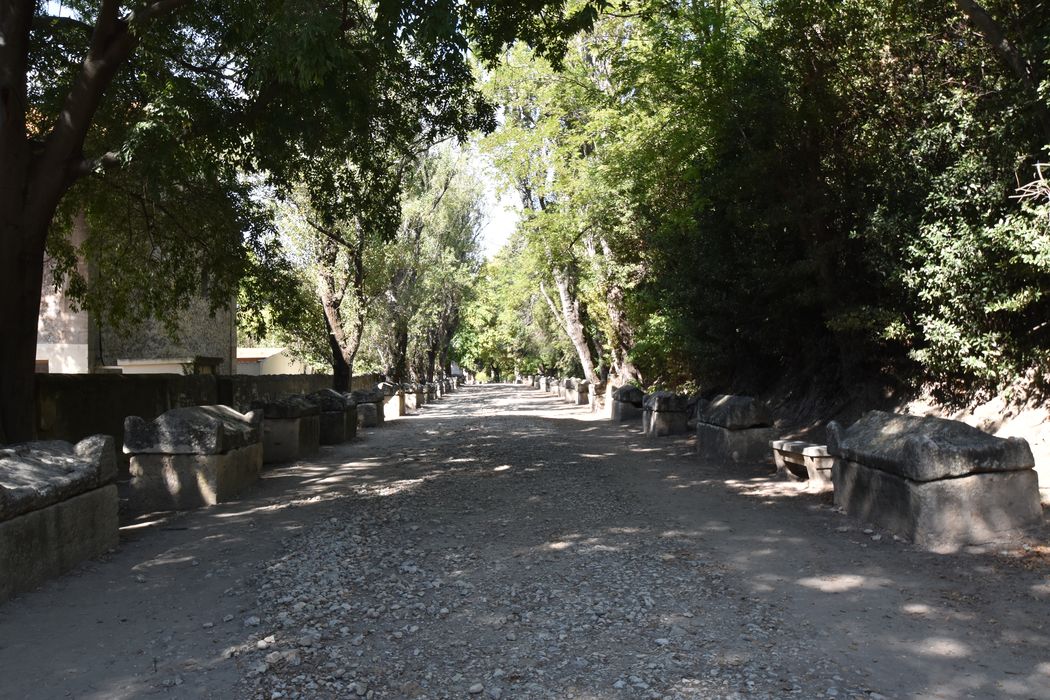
{"x":517,"y":466}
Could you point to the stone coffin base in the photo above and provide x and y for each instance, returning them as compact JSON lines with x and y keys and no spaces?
{"x":942,"y":515}
{"x":288,"y":439}
{"x":182,"y":482}
{"x":45,"y":543}
{"x":338,"y":427}
{"x":747,"y":445}
{"x":664,"y":423}
{"x":580,"y":398}
{"x":394,"y":406}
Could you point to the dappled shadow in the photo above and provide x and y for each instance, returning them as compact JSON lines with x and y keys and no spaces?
{"x":540,"y":485}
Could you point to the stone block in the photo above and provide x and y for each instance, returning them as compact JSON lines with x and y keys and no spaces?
{"x":186,"y":481}
{"x":394,"y":405}
{"x":367,"y":415}
{"x":734,"y":412}
{"x":623,"y":412}
{"x":944,"y":514}
{"x":663,"y":414}
{"x":192,"y":430}
{"x":49,"y":541}
{"x":746,"y":445}
{"x":664,"y":423}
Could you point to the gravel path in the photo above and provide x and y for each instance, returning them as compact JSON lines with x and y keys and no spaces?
{"x":500,"y":544}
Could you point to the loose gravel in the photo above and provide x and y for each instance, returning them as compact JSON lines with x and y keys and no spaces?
{"x":503,"y":545}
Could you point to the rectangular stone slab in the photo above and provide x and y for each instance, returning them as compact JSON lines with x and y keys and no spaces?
{"x":48,"y":542}
{"x":748,"y":445}
{"x":944,"y":514}
{"x":184,"y":482}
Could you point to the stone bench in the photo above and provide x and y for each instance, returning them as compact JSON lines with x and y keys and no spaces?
{"x":291,"y":429}
{"x":737,"y":428}
{"x":58,"y":507}
{"x":664,"y":413}
{"x":627,"y":403}
{"x":940,"y":483}
{"x":798,"y":460}
{"x":191,"y":457}
{"x":338,"y":418}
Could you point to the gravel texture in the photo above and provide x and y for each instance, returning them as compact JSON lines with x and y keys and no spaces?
{"x":501,"y":544}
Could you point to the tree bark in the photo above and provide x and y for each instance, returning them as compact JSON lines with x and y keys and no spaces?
{"x":573,"y":323}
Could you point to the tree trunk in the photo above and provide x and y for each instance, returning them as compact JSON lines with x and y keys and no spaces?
{"x":21,"y":276}
{"x":572,"y":320}
{"x":400,"y":358}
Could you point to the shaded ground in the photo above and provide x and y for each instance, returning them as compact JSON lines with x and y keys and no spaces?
{"x":501,"y":544}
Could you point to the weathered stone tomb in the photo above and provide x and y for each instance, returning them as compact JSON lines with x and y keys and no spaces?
{"x":192,"y":457}
{"x":737,"y":428}
{"x":369,"y":407}
{"x":58,"y":507}
{"x":627,"y":403}
{"x":338,"y":417}
{"x":664,"y":413}
{"x":940,"y":483}
{"x":292,"y":428}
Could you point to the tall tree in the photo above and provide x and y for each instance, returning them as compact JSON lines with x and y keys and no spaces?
{"x":266,"y":77}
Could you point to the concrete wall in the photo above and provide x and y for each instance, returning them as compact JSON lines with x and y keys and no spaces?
{"x":199,"y":333}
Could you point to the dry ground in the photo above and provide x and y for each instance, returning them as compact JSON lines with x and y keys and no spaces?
{"x":501,"y":544}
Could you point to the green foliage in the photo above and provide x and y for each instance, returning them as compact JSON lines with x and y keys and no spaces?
{"x":792,"y":186}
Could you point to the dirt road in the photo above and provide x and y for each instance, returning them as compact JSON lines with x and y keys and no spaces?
{"x":501,"y":544}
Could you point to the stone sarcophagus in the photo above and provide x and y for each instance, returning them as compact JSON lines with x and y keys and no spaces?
{"x":192,"y":457}
{"x":737,"y":428}
{"x":58,"y":507}
{"x":940,"y":483}
{"x":415,"y":396}
{"x":394,"y":404}
{"x":338,"y":416}
{"x":581,"y":395}
{"x":665,"y":413}
{"x":627,"y":403}
{"x":292,"y":428}
{"x":370,"y":404}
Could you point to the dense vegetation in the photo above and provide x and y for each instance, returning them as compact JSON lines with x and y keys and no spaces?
{"x":728,"y":193}
{"x":160,"y":122}
{"x":715,"y":193}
